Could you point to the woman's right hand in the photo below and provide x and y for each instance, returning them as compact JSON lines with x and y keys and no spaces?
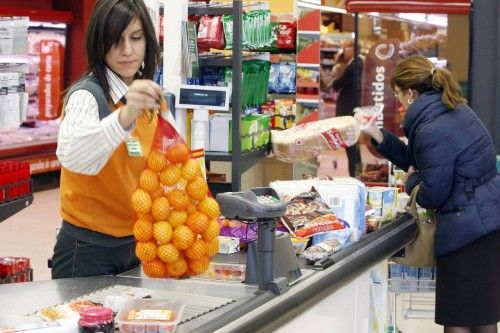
{"x":141,"y":95}
{"x":369,"y":127}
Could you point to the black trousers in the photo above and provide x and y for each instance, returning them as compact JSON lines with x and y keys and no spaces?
{"x":76,"y":258}
{"x":354,"y":158}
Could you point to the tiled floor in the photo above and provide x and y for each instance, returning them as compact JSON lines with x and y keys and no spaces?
{"x":31,"y":233}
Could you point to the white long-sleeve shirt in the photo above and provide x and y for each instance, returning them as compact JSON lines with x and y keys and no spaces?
{"x":85,"y":142}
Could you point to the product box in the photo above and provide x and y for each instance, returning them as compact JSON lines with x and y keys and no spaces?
{"x":345,"y":196}
{"x":220,"y":126}
{"x":228,"y":245}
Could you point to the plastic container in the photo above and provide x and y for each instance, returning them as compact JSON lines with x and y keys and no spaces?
{"x":96,"y":319}
{"x":149,"y":315}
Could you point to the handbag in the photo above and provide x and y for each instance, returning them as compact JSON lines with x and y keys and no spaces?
{"x":420,"y":252}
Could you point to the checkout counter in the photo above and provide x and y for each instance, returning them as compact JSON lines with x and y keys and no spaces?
{"x":216,"y":306}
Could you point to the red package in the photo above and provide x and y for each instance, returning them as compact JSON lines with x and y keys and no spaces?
{"x":176,"y":228}
{"x":287,"y":32}
{"x":210,"y":33}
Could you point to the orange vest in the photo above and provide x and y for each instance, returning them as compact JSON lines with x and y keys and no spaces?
{"x":102,"y":202}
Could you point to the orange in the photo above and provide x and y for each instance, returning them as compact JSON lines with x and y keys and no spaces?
{"x":197,"y":188}
{"x":191,"y":208}
{"x":198,"y":266}
{"x":197,"y":250}
{"x":171,"y":175}
{"x":160,"y":209}
{"x":145,"y":251}
{"x":191,"y":169}
{"x":168,"y":253}
{"x":148,"y":180}
{"x":197,"y":221}
{"x":183,"y":237}
{"x":178,"y":153}
{"x":212,"y":247}
{"x":155,"y":269}
{"x":210,"y":207}
{"x":178,"y":199}
{"x":176,"y":218}
{"x":141,"y":201}
{"x":162,"y":232}
{"x":158,"y":193}
{"x":143,"y":230}
{"x":212,"y":231}
{"x":177,"y":268}
{"x":157,"y":161}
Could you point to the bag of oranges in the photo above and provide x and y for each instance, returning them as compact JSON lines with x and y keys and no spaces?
{"x":176,"y":228}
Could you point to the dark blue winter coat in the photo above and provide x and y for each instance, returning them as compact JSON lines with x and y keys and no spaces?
{"x":456,"y":169}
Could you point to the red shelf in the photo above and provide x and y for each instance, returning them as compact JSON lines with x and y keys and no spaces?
{"x":42,"y":15}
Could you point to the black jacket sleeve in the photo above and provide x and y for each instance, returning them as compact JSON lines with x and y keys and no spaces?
{"x":394,"y":150}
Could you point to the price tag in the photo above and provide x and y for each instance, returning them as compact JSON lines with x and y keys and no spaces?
{"x":133,"y":147}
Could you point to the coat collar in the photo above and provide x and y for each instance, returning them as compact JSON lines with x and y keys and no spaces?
{"x":427,"y":106}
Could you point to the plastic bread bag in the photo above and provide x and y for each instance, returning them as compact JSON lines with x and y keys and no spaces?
{"x":176,"y":225}
{"x":335,"y":242}
{"x":306,"y":141}
{"x":366,"y":115}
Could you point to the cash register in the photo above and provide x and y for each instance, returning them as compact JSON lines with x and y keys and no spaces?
{"x":272,"y":257}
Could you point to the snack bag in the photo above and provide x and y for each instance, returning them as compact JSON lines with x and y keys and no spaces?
{"x":176,"y":228}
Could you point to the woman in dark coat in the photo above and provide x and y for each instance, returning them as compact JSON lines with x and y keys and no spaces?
{"x":451,"y":156}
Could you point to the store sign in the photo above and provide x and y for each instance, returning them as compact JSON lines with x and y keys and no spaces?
{"x":381,"y":60}
{"x":51,"y":76}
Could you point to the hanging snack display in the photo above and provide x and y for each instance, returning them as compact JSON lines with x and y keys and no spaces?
{"x":176,"y":228}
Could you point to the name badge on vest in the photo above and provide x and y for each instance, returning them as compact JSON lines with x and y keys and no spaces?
{"x":133,"y":147}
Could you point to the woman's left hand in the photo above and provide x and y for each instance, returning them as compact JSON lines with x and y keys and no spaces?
{"x":411,"y":170}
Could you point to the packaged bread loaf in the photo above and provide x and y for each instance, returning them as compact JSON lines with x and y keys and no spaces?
{"x":308,"y":140}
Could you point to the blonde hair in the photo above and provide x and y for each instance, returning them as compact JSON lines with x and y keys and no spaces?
{"x":418,"y":73}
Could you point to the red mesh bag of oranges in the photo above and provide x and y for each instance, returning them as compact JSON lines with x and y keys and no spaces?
{"x":176,"y":228}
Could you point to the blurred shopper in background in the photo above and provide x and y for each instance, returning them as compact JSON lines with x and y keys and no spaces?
{"x":450,"y":154}
{"x":342,"y":79}
{"x":103,"y":114}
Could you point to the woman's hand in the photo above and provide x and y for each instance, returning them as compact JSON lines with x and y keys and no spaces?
{"x":369,"y":127}
{"x":141,"y":95}
{"x":411,"y":170}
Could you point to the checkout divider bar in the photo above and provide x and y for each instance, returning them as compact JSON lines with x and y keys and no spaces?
{"x":267,"y":311}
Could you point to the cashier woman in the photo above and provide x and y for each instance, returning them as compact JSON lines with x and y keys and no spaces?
{"x":102,"y":117}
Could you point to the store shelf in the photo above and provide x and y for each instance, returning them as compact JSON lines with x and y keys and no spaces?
{"x":251,"y":158}
{"x":272,"y":96}
{"x":10,"y":208}
{"x":217,"y":156}
{"x":204,"y":9}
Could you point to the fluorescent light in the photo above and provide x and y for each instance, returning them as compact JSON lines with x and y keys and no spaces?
{"x":417,"y":17}
{"x":439,"y":20}
{"x":36,"y":24}
{"x":324,"y":8}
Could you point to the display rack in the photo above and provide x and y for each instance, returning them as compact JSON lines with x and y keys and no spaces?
{"x":11,"y":207}
{"x":240,"y":162}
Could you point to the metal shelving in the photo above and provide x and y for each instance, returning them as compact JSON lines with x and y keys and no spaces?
{"x":7,"y":209}
{"x":240,"y":162}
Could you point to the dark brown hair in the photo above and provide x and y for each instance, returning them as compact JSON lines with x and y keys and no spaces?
{"x":108,"y":21}
{"x":418,"y":73}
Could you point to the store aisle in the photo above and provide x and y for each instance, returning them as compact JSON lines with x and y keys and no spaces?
{"x":31,"y":232}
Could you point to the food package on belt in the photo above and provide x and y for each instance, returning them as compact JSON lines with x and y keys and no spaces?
{"x":308,"y":140}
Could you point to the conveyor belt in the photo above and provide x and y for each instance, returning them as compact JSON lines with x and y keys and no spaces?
{"x":197,"y":305}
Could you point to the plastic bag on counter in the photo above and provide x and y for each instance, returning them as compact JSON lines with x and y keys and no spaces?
{"x":335,"y":242}
{"x":243,"y":230}
{"x":306,"y":141}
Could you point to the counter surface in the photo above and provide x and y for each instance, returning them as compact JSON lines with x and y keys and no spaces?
{"x":251,"y":311}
